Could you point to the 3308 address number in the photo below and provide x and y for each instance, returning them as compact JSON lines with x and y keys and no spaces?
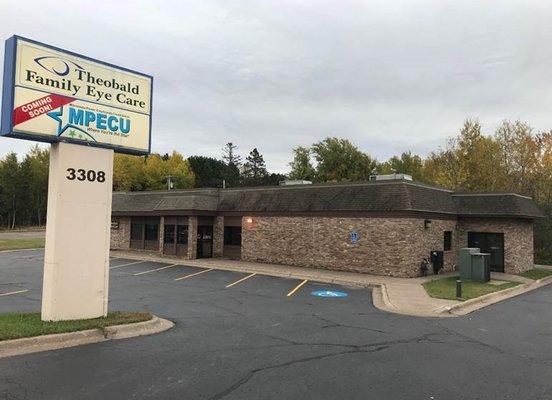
{"x":84,"y":175}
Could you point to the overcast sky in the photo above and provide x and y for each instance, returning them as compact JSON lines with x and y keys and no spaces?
{"x":389,"y":75}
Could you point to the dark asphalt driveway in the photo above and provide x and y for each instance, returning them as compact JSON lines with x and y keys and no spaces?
{"x":251,"y":341}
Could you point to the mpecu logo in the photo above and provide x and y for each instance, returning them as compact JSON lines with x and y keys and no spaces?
{"x":56,"y":65}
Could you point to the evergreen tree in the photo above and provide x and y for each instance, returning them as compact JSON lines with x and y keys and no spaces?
{"x":208,"y":171}
{"x":233,"y":162}
{"x":254,"y":169}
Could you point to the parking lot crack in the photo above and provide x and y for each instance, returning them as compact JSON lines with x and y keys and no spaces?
{"x":335,"y":324}
{"x":247,"y":377}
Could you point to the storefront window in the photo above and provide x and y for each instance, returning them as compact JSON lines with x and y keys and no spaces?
{"x":232,"y":235}
{"x":182,"y":234}
{"x":168,"y":236}
{"x":136,"y":230}
{"x":152,"y":231}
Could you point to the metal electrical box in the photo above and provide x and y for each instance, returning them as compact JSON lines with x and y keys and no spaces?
{"x":474,"y":265}
{"x":481,"y":271}
{"x":465,"y":262}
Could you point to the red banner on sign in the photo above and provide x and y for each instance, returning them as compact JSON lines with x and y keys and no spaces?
{"x":39,"y":107}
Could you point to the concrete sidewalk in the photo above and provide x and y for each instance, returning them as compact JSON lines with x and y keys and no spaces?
{"x":397,"y":295}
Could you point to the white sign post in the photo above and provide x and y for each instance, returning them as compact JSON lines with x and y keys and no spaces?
{"x":76,"y":259}
{"x":87,"y":109}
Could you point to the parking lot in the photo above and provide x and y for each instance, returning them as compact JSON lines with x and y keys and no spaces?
{"x":244,"y":336}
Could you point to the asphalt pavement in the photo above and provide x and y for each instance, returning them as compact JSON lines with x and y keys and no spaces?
{"x":270,"y":338}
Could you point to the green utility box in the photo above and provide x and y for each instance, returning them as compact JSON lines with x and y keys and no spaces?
{"x":465,"y":262}
{"x":481,"y":271}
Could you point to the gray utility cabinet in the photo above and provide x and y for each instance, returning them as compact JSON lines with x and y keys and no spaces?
{"x":474,"y":265}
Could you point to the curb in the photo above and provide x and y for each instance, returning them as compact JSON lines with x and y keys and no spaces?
{"x":380,"y":296}
{"x":14,"y":250}
{"x":55,"y":341}
{"x":472,"y":305}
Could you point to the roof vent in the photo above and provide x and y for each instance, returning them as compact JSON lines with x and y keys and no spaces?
{"x":390,"y":177}
{"x":291,"y":182}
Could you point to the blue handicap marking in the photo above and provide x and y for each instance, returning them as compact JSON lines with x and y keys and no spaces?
{"x":329,"y":293}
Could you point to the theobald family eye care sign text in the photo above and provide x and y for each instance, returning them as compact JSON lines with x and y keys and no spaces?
{"x":53,"y":95}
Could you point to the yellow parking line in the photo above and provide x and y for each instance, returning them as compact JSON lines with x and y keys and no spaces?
{"x":126,"y":265}
{"x":241,"y":280}
{"x":16,"y":292}
{"x":194,"y":274}
{"x":156,"y":269}
{"x":297,"y":288}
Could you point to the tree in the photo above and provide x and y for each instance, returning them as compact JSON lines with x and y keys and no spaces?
{"x":132,"y":173}
{"x":520,"y":155}
{"x":340,"y":160}
{"x":13,"y":186}
{"x":208,"y":171}
{"x":254,"y":169}
{"x":233,"y":161}
{"x":407,"y":163}
{"x":229,"y":155}
{"x":35,"y":167}
{"x":301,"y":166}
{"x":129,"y":173}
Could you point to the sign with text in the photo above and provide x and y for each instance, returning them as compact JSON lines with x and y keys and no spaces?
{"x":53,"y":95}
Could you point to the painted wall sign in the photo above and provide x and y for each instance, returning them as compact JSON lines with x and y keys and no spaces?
{"x":51,"y":95}
{"x":329,"y":293}
{"x":353,"y":237}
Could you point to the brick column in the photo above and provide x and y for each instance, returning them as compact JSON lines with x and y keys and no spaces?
{"x":120,"y":237}
{"x":161,"y":233}
{"x":218,"y":237}
{"x":192,"y":237}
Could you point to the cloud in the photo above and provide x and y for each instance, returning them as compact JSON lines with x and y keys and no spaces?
{"x":390,"y":76}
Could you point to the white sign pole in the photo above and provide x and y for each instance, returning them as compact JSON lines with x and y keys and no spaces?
{"x":76,"y":261}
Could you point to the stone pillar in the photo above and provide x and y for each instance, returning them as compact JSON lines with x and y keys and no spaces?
{"x":120,"y":236}
{"x":161,"y":234}
{"x":192,"y":237}
{"x":218,"y":237}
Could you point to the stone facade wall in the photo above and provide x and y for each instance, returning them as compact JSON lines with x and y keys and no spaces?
{"x":218,"y":236}
{"x":192,"y":237}
{"x":518,"y":239}
{"x":386,"y":246}
{"x":120,"y":238}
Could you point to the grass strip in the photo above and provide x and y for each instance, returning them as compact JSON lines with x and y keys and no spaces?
{"x":445,"y":288}
{"x":536,"y":273}
{"x":22,"y":325}
{"x":17,"y":244}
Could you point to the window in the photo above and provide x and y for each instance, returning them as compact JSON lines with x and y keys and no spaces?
{"x":136,"y":230}
{"x":182,"y":234}
{"x":447,"y":241}
{"x":152,"y":230}
{"x":232,"y":235}
{"x":168,"y":236}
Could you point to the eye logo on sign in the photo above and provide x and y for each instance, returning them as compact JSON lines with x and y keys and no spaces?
{"x":56,"y":65}
{"x":54,"y":95}
{"x":353,"y":237}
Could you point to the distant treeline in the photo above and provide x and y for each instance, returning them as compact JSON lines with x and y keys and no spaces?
{"x":513,"y":159}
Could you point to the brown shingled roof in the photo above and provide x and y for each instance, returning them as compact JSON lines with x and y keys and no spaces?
{"x":365,"y":197}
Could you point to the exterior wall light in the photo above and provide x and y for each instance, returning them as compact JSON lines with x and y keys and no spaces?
{"x":249,"y":220}
{"x":427,"y":223}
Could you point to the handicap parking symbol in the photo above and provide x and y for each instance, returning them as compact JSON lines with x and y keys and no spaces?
{"x":329,"y":293}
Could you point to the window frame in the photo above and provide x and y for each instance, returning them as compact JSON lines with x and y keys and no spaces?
{"x":232,"y":236}
{"x":447,"y":240}
{"x":178,"y":230}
